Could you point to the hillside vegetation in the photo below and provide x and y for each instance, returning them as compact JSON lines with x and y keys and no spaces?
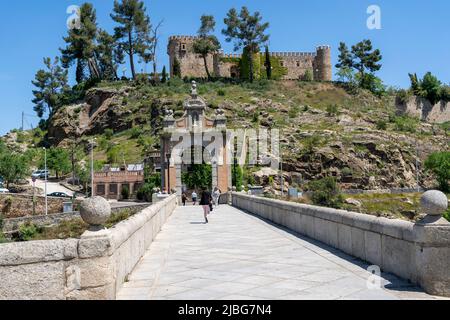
{"x":325,"y":131}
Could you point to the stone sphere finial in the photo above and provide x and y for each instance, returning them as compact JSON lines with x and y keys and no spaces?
{"x":95,"y":211}
{"x":434,"y":203}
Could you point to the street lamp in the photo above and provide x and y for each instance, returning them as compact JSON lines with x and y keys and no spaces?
{"x":92,"y":145}
{"x":168,"y":172}
{"x":46,"y":177}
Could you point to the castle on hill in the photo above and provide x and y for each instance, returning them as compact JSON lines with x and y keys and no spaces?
{"x":288,"y":65}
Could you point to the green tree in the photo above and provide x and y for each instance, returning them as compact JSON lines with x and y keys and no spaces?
{"x":134,"y":25}
{"x":247,"y":31}
{"x":439,"y":164}
{"x":365,"y":61}
{"x":206,"y":43}
{"x":237,"y":177}
{"x":268,"y":63}
{"x":431,"y":86}
{"x":109,"y":55}
{"x":13,"y":167}
{"x":81,"y":44}
{"x":164,"y":75}
{"x":200,"y":176}
{"x":176,"y":68}
{"x":51,"y":84}
{"x":58,"y":160}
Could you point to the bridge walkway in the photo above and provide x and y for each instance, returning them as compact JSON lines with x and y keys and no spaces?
{"x":238,"y":256}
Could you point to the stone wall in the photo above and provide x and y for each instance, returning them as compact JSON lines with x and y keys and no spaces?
{"x":92,"y":267}
{"x":296,"y":63}
{"x":19,"y":205}
{"x":13,"y":224}
{"x":421,"y":108}
{"x":417,"y":252}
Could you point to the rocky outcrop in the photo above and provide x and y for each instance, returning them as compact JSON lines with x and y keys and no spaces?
{"x":422,"y":108}
{"x":101,"y":109}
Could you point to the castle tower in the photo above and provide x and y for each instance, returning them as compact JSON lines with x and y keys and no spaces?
{"x":322,"y":64}
{"x":181,"y":48}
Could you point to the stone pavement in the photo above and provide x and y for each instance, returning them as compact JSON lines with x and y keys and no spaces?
{"x":238,"y":257}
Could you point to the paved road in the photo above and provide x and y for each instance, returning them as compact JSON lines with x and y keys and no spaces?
{"x":51,"y":187}
{"x":238,"y":257}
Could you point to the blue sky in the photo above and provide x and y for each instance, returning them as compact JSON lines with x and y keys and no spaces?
{"x":414,"y":36}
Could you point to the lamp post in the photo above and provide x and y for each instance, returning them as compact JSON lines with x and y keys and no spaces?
{"x":168,"y":172}
{"x":92,"y":144}
{"x":46,"y":177}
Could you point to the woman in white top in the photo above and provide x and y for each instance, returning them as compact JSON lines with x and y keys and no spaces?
{"x":216,"y":196}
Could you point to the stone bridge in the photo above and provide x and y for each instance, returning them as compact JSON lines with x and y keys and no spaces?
{"x":252,"y":249}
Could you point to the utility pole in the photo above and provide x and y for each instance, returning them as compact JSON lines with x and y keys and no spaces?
{"x":23,"y":115}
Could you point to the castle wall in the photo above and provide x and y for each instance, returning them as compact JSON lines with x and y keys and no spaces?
{"x":296,"y":63}
{"x":192,"y":65}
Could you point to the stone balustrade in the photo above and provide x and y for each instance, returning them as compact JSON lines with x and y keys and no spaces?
{"x":92,"y":267}
{"x":419,"y":252}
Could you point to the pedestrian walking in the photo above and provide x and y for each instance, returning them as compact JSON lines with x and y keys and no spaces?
{"x":205,"y":202}
{"x":184,"y":199}
{"x":216,"y":196}
{"x":194,"y":197}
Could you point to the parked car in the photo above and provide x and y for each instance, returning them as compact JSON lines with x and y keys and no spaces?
{"x":3,"y":190}
{"x":40,"y":174}
{"x":59,"y":195}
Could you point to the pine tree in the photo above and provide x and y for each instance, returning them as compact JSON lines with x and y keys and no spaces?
{"x":268,"y":64}
{"x":133,"y":25}
{"x":206,"y":43}
{"x":247,"y":31}
{"x":109,"y":55}
{"x":81,"y":44}
{"x":164,"y":75}
{"x":51,"y":84}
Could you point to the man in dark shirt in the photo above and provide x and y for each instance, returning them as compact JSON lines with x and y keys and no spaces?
{"x":205,"y":202}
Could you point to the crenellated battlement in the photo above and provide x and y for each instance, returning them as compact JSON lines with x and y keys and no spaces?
{"x":182,"y":38}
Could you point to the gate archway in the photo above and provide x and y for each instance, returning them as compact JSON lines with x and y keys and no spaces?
{"x":194,"y":130}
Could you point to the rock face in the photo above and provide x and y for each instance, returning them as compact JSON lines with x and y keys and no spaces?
{"x":424,"y":110}
{"x":101,"y":109}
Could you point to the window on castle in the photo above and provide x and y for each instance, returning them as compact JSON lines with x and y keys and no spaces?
{"x":183,"y":47}
{"x":282,"y":63}
{"x":298,"y":63}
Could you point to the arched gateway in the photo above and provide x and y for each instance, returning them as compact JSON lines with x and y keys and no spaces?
{"x":194,"y":131}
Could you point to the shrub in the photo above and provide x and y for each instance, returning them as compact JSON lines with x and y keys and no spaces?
{"x":145,"y":193}
{"x":404,"y":95}
{"x":28,"y":231}
{"x":135,"y":132}
{"x":308,"y":76}
{"x":108,"y":133}
{"x":346,"y":172}
{"x":447,"y":214}
{"x":294,"y":111}
{"x":445,"y":93}
{"x":326,"y":192}
{"x":333,"y":110}
{"x":381,"y":125}
{"x":221,"y":92}
{"x":406,"y":124}
{"x":125,"y":193}
{"x":439,"y":164}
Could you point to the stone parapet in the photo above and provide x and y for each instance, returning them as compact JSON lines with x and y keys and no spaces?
{"x":418,"y":252}
{"x":93,"y":267}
